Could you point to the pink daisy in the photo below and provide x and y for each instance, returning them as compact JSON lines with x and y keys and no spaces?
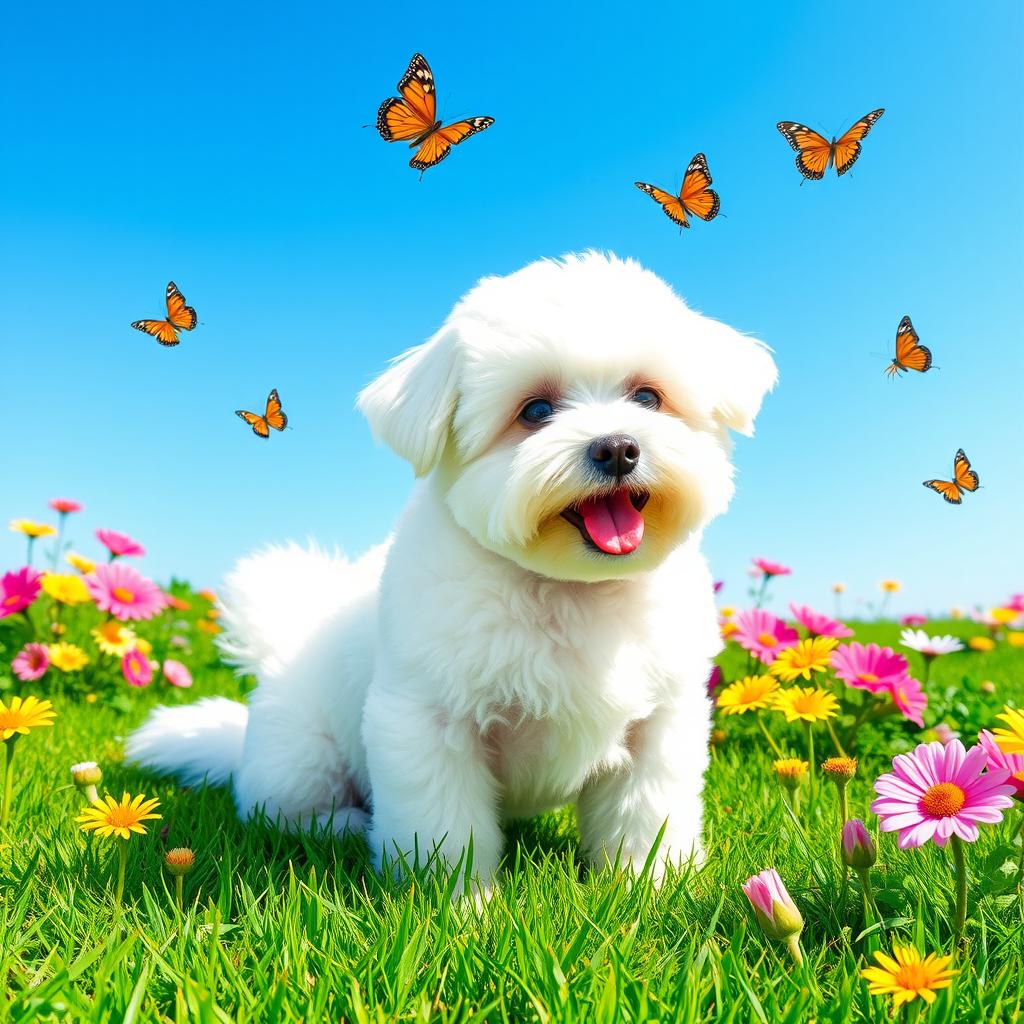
{"x":31,"y":662}
{"x":910,"y":698}
{"x":868,"y":667}
{"x":913,"y":620}
{"x":119,"y":544}
{"x":1016,"y":602}
{"x":939,"y":791}
{"x":136,"y":668}
{"x":123,"y":592}
{"x":818,"y":624}
{"x":177,"y":674}
{"x":1013,"y":763}
{"x":65,"y":505}
{"x":763,"y":634}
{"x":767,"y":568}
{"x":18,"y":590}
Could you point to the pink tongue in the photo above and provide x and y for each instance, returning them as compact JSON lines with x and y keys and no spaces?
{"x":612,"y":522}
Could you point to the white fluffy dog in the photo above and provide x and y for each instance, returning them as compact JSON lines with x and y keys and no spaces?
{"x":539,"y":629}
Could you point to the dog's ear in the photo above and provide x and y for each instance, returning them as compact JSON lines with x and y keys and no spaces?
{"x":410,"y":406}
{"x":743,"y":372}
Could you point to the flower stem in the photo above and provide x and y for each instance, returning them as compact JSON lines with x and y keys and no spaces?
{"x":961,"y":887}
{"x":768,"y":736}
{"x":28,"y":556}
{"x":793,"y":945}
{"x":810,"y":761}
{"x":761,"y":592}
{"x":179,"y":884}
{"x":5,"y":808}
{"x":835,"y":739}
{"x":927,"y":668}
{"x":1020,"y":863}
{"x":122,"y":864}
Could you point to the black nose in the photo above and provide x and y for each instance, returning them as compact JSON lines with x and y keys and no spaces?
{"x":615,"y":455}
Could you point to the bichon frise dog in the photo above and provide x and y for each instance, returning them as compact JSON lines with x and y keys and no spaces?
{"x":539,"y":629}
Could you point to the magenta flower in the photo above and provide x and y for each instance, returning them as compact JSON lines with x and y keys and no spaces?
{"x":767,"y":568}
{"x":913,"y":620}
{"x":123,"y":592}
{"x":763,"y":634}
{"x":818,"y":624}
{"x":1000,"y":761}
{"x":177,"y":674}
{"x":858,"y":847}
{"x":714,"y":680}
{"x":18,"y":590}
{"x":65,"y":505}
{"x":136,"y":668}
{"x":940,"y":791}
{"x":717,"y":586}
{"x":119,"y":544}
{"x":908,"y":695}
{"x":1016,"y":602}
{"x":31,"y":662}
{"x":868,"y":667}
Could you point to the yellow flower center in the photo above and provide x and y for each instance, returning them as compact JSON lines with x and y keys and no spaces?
{"x":122,"y":817}
{"x":767,"y":640}
{"x":11,"y":601}
{"x":943,"y":800}
{"x":123,"y":595}
{"x":10,"y":720}
{"x":1019,"y":776}
{"x":867,"y":677}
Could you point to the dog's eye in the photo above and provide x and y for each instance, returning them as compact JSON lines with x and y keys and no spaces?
{"x":536,"y":412}
{"x":647,"y":397}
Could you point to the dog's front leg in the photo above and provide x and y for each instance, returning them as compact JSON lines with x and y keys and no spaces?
{"x":432,"y":790}
{"x":625,"y":808}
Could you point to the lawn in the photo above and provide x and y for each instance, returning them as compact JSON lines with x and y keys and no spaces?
{"x":299,"y":928}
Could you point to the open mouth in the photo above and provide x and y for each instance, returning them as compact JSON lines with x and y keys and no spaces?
{"x":612,"y":523}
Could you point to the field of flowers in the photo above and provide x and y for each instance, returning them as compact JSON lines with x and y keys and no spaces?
{"x":863,"y":832}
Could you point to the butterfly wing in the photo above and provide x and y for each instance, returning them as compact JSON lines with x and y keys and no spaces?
{"x":413,"y":114}
{"x":847,"y":148}
{"x":695,"y":195}
{"x":162,"y":330}
{"x":274,"y":415}
{"x":910,"y":353}
{"x":183,"y":317}
{"x":438,"y":144}
{"x":965,"y":477}
{"x":812,"y":150}
{"x":947,"y":488}
{"x":259,"y":425}
{"x":672,"y":205}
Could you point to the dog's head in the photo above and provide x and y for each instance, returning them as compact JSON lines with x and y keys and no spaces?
{"x":575,"y":415}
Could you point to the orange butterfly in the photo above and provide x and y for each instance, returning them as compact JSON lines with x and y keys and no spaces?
{"x":273,"y":417}
{"x":964,"y":479}
{"x":694,"y":194}
{"x":815,"y":153}
{"x":179,"y":318}
{"x":910,"y":353}
{"x":414,"y":117}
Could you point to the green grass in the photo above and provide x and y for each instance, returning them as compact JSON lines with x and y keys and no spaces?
{"x":298,"y":928}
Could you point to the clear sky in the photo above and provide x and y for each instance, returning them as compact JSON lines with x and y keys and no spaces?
{"x":222,"y":146}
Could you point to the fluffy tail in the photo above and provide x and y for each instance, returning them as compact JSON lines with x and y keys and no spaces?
{"x":197,"y":743}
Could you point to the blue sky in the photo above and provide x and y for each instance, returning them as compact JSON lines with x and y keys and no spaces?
{"x":223,"y":146}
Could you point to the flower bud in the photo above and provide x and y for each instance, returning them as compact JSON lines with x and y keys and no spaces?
{"x":774,"y":908}
{"x":180,"y":860}
{"x":87,"y":775}
{"x":790,"y":771}
{"x":858,"y":847}
{"x":839,"y":769}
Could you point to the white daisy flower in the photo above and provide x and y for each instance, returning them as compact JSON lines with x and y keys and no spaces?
{"x":929,"y":646}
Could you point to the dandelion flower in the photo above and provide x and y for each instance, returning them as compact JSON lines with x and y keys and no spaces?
{"x":1015,"y":638}
{"x":123,"y":592}
{"x":114,"y":639}
{"x":806,"y":704}
{"x":68,"y":590}
{"x":80,"y":562}
{"x":136,"y":668}
{"x":109,"y":817}
{"x":1000,"y":761}
{"x":906,"y":975}
{"x":939,"y":791}
{"x":930,"y":646}
{"x":763,"y":634}
{"x":747,"y":694}
{"x":23,"y":715}
{"x":1011,"y":741}
{"x":18,"y":590}
{"x":840,"y":768}
{"x":868,"y":667}
{"x":176,"y":673}
{"x":67,"y":657}
{"x":1004,"y":616}
{"x":120,"y":544}
{"x":981,"y":643}
{"x":804,"y":660}
{"x":790,"y":769}
{"x":31,"y":529}
{"x":818,"y":624}
{"x":31,"y":662}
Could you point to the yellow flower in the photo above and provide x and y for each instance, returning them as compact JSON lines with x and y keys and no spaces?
{"x":838,"y":588}
{"x":143,"y":646}
{"x":809,"y":656}
{"x":908,"y":975}
{"x":30,"y":529}
{"x":91,"y":698}
{"x":180,"y":860}
{"x":24,"y":715}
{"x":981,"y":643}
{"x":890,"y":586}
{"x":81,"y":563}
{"x":114,"y":639}
{"x":790,"y":769}
{"x":1004,"y":616}
{"x":1015,"y":638}
{"x":208,"y":627}
{"x":1011,"y":741}
{"x":747,"y":694}
{"x":65,"y":589}
{"x":806,"y":704}
{"x":842,"y":769}
{"x":67,"y":657}
{"x":208,"y":595}
{"x":109,"y":817}
{"x":727,"y":611}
